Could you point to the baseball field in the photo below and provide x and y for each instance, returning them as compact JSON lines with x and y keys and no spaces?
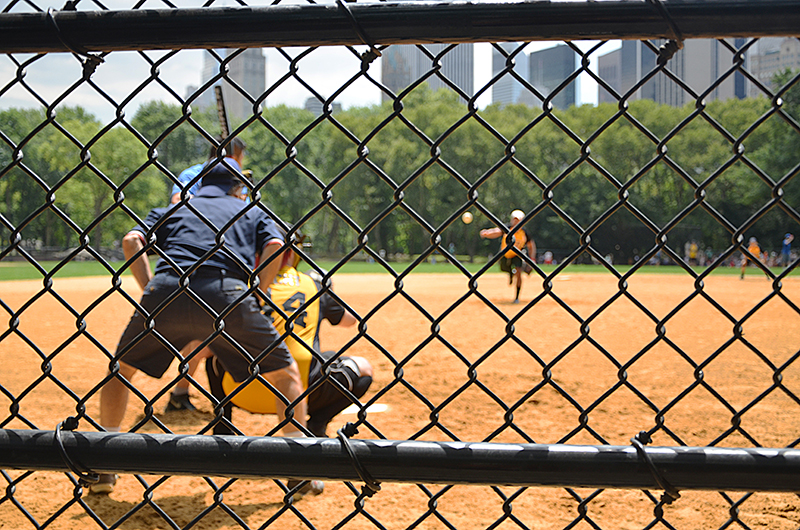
{"x":583,"y":347}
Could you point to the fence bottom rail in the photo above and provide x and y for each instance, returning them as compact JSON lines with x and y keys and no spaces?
{"x":421,"y":462}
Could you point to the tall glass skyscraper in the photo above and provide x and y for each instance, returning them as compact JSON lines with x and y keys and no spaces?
{"x":402,"y":65}
{"x":248,"y":70}
{"x":508,"y":90}
{"x":699,"y":64}
{"x":551,"y":67}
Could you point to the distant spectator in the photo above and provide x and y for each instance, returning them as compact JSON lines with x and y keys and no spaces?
{"x":786,"y":249}
{"x":693,"y":249}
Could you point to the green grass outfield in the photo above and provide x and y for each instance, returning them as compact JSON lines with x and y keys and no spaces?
{"x":22,"y":270}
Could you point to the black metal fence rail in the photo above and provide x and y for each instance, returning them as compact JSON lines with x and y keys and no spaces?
{"x":391,"y":23}
{"x":605,"y":466}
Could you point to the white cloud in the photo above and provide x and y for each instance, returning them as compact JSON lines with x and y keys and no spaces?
{"x":122,"y":75}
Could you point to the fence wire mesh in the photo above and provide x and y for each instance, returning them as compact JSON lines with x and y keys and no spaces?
{"x":677,"y":167}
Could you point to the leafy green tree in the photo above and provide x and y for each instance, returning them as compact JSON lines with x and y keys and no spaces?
{"x":781,"y":154}
{"x":283,"y":158}
{"x":173,"y":137}
{"x":93,"y":169}
{"x":19,"y":189}
{"x":429,"y":154}
{"x":176,"y":149}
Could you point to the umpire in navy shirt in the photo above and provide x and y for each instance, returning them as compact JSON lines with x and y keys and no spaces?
{"x":184,"y":233}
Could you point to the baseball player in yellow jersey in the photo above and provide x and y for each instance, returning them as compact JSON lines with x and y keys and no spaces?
{"x":755,"y":249}
{"x":293,"y":291}
{"x":511,"y":262}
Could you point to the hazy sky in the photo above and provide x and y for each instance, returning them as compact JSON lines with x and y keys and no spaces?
{"x":325,"y":69}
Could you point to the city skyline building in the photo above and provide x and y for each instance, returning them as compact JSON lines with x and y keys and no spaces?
{"x":608,"y":69}
{"x":248,"y":69}
{"x":315,"y":106}
{"x":700,"y":64}
{"x":403,"y":65}
{"x":622,"y":69}
{"x":769,"y":56}
{"x":549,"y":68}
{"x":508,"y":90}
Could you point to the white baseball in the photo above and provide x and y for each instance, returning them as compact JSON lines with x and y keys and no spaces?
{"x":466,"y":217}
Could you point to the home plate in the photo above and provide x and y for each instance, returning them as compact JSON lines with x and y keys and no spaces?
{"x":377,"y":407}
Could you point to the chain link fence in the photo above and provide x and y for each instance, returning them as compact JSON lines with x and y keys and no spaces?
{"x":610,"y":379}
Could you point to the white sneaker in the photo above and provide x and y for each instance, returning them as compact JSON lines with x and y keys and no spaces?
{"x":311,"y":487}
{"x":104,"y":485}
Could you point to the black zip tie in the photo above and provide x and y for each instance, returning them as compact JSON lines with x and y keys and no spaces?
{"x":371,"y":486}
{"x":373,"y":52}
{"x":86,"y":476}
{"x":670,"y":493}
{"x":90,"y":62}
{"x":667,"y":50}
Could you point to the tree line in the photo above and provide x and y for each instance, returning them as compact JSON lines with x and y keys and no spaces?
{"x":401,"y":171}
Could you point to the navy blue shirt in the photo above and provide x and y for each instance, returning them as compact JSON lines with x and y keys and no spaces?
{"x":186,"y":238}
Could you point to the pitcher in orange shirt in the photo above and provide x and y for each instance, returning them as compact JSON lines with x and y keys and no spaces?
{"x":522,"y":244}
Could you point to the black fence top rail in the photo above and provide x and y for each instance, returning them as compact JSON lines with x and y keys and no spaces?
{"x":605,"y":466}
{"x":392,"y":23}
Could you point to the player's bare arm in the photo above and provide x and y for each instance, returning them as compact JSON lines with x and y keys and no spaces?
{"x":132,"y":243}
{"x":491,"y":233}
{"x":267,"y":275}
{"x":348,"y":320}
{"x":288,"y":382}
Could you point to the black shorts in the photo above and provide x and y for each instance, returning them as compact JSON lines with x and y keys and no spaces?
{"x":248,"y":334}
{"x":511,"y":264}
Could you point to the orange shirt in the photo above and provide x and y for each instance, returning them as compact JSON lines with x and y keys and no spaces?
{"x":520,"y":240}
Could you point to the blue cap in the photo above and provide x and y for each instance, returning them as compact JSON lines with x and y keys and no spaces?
{"x":788,"y":235}
{"x":228,"y":170}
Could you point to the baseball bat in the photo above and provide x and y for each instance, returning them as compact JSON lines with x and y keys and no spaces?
{"x":225,"y":126}
{"x":222,"y":114}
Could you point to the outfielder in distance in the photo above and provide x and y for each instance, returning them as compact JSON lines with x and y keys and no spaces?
{"x":511,"y":262}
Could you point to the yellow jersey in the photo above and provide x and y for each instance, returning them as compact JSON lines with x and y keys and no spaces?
{"x":290,"y":291}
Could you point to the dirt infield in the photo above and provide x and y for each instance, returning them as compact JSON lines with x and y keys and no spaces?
{"x":583,"y":349}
